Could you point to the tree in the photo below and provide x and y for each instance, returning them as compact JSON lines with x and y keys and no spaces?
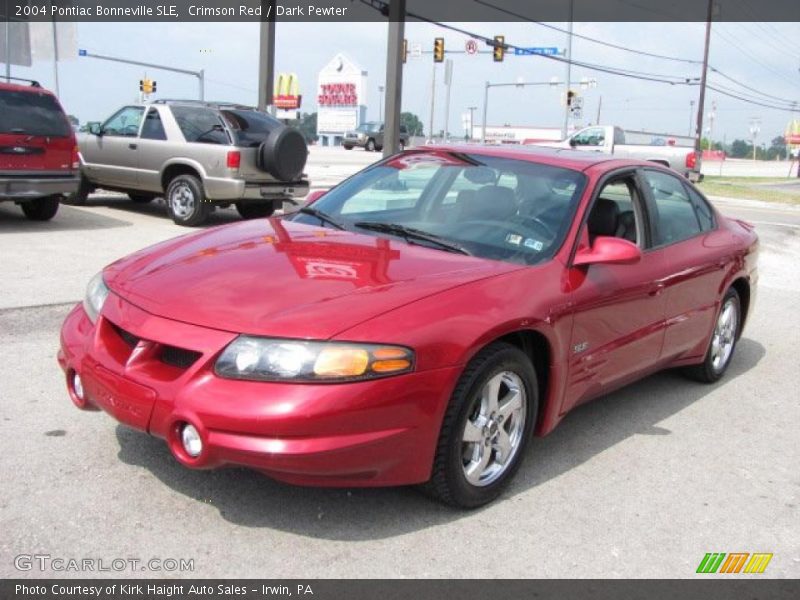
{"x":307,"y":125}
{"x":412,"y":124}
{"x":777,"y":148}
{"x":741,"y":149}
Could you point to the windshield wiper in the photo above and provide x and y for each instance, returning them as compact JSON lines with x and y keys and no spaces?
{"x":409,"y":234}
{"x":325,"y":218}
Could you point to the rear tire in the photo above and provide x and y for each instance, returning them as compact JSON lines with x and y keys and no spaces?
{"x":79,"y":197}
{"x":255,"y":210}
{"x":42,"y":209}
{"x":483,"y":437}
{"x":141,"y":198}
{"x":186,"y":201}
{"x":723,"y":341}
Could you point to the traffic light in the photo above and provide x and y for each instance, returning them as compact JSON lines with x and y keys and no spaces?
{"x":499,"y":48}
{"x":438,"y":50}
{"x":405,"y":50}
{"x":570,"y":97}
{"x":148,"y":86}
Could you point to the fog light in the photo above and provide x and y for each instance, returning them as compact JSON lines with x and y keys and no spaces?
{"x":192,"y":443}
{"x":77,"y":386}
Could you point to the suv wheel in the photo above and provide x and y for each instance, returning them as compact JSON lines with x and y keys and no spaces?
{"x":402,"y":145}
{"x":255,"y":210}
{"x":346,"y":147}
{"x":42,"y":209}
{"x":141,"y":198}
{"x":80,"y":196}
{"x":370,"y":146}
{"x":186,"y":201}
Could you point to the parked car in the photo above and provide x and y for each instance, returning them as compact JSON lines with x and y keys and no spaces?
{"x":370,"y":137}
{"x":418,"y":323}
{"x":38,"y":151}
{"x":198,"y":155}
{"x":661,"y":149}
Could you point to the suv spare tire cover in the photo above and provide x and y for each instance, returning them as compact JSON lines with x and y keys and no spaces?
{"x":283,"y":154}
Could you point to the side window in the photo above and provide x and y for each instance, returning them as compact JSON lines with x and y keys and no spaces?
{"x":704,"y":212}
{"x":125,"y":123}
{"x":200,"y":125}
{"x":153,"y":129}
{"x":616,"y":212}
{"x":675,"y":217}
{"x":594,"y":136}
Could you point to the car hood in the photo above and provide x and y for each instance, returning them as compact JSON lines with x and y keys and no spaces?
{"x":278,"y":278}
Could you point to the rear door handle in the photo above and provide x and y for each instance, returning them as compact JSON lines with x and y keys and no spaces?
{"x":132,"y":146}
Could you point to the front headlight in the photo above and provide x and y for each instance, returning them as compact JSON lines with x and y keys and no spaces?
{"x":96,"y":294}
{"x":266,"y":359}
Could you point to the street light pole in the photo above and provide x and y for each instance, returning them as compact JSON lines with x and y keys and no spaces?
{"x":471,"y":110}
{"x":691,"y":115}
{"x":698,"y":144}
{"x":380,"y":103}
{"x":485,"y":110}
{"x":394,"y":76}
{"x":569,"y":70}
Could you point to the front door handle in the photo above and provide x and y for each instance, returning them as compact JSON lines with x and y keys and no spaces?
{"x":133,"y":146}
{"x":657,"y":289}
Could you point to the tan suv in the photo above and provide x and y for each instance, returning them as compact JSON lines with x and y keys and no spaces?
{"x":198,"y":155}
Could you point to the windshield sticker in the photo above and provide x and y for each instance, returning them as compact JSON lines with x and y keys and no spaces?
{"x":513,"y":238}
{"x":535,"y":244}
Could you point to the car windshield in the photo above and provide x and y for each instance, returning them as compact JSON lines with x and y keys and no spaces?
{"x":497,"y":208}
{"x":32,"y":113}
{"x":249,"y":127}
{"x":367,"y":127}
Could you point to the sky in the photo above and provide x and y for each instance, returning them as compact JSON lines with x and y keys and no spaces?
{"x":763,"y":56}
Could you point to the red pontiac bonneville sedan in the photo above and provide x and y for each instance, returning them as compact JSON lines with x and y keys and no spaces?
{"x":419,"y":322}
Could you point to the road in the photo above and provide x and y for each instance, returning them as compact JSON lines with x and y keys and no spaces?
{"x":641,"y":483}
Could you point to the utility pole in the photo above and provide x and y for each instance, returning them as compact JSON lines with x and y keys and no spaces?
{"x":55,"y":55}
{"x":471,"y":110}
{"x":599,"y":106}
{"x":755,"y":128}
{"x":394,"y":76}
{"x":569,"y":71}
{"x":448,"y":80}
{"x":433,"y":101}
{"x":8,"y":48}
{"x":380,"y":102}
{"x":266,"y":58}
{"x":698,"y":144}
{"x":485,"y":111}
{"x":691,"y":116}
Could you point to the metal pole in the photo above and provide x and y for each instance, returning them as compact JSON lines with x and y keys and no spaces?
{"x":485,"y":111}
{"x":448,"y":80}
{"x":266,"y":56}
{"x":55,"y":56}
{"x":599,"y":106}
{"x":569,"y":71}
{"x":8,"y":47}
{"x":471,"y":110}
{"x":691,"y":115}
{"x":394,"y":76}
{"x":381,"y":90}
{"x":433,"y":101}
{"x":698,"y":147}
{"x":201,"y":77}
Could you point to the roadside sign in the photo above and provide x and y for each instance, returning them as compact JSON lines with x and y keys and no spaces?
{"x":471,"y":47}
{"x":416,"y":50}
{"x":82,"y":52}
{"x":547,"y":51}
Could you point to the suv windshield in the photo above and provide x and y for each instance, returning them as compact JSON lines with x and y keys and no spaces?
{"x":368,"y":127}
{"x":32,"y":113}
{"x":497,"y":208}
{"x":250,"y":127}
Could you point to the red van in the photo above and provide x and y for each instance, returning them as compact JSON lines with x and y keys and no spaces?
{"x":39,"y":161}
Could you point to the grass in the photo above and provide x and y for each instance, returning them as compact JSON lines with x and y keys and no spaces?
{"x":752,"y":188}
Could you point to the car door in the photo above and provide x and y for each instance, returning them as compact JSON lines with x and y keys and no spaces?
{"x":153,"y":150}
{"x":111,"y":158}
{"x":683,"y":229}
{"x":618,"y":309}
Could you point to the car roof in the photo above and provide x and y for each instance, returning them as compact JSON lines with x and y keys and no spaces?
{"x":559,"y":157}
{"x":33,"y":88}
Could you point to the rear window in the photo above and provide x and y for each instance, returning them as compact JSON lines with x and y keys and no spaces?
{"x":250,"y":127}
{"x":32,"y":113}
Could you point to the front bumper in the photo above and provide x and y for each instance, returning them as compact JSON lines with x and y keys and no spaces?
{"x":374,"y":433}
{"x":31,"y":188}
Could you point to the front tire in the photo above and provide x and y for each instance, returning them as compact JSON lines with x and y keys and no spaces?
{"x":723,"y":341}
{"x":370,"y":145}
{"x":255,"y":210}
{"x":486,"y":428}
{"x":42,"y":209}
{"x":347,"y":147}
{"x":186,"y":201}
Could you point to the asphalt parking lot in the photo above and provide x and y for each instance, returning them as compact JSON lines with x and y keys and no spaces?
{"x":641,"y":483}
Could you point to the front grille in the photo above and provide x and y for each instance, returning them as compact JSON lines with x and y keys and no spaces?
{"x":130,"y":339}
{"x":178,"y":357}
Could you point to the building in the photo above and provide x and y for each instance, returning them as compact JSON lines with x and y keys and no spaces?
{"x":509,"y":134}
{"x":342,"y":99}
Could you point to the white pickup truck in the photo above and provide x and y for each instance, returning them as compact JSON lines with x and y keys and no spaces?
{"x":674,"y":151}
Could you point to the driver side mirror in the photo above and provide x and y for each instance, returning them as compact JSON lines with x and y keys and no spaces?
{"x":95,"y":128}
{"x":573,"y":142}
{"x":609,"y":251}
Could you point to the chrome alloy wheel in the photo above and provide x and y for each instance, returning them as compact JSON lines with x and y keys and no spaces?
{"x":182,"y":201}
{"x":493,"y":431}
{"x":724,"y":336}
